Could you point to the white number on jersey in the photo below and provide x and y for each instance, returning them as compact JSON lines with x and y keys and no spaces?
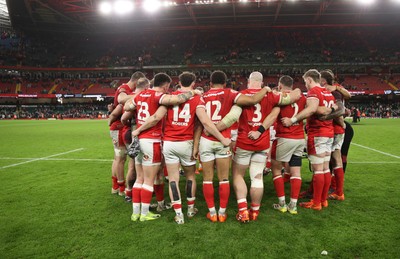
{"x":296,"y":109}
{"x":215,"y":116}
{"x":184,"y":114}
{"x":143,"y":112}
{"x":257,"y":113}
{"x":328,"y":104}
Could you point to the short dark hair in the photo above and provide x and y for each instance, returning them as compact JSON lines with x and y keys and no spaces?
{"x":218,"y":77}
{"x":161,"y":78}
{"x":187,"y":78}
{"x":314,"y":74}
{"x":137,"y":75}
{"x":328,"y":76}
{"x":286,"y":81}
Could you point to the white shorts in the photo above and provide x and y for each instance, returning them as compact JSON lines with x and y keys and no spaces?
{"x":243,"y":157}
{"x":179,"y":151}
{"x":337,"y":142}
{"x":119,"y":147}
{"x":284,"y":148}
{"x":319,"y":145}
{"x":211,"y":150}
{"x":150,"y":152}
{"x":234,"y":135}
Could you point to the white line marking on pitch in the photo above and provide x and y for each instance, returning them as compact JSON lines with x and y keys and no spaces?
{"x":42,"y":158}
{"x":58,"y":159}
{"x":378,"y":151}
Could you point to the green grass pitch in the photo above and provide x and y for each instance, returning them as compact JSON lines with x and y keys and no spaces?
{"x":55,"y":202}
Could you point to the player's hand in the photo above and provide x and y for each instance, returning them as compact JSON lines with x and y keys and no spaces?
{"x":334,"y":106}
{"x":125,"y":121}
{"x":197,"y":92}
{"x":347,"y":112}
{"x":195,"y":153}
{"x":206,"y":132}
{"x":286,"y":122}
{"x":226,"y":142}
{"x":254,"y":135}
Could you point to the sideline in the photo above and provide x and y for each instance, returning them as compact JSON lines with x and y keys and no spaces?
{"x":41,"y":158}
{"x":378,"y":151}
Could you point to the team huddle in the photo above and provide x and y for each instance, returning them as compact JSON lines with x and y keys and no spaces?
{"x":225,"y":130}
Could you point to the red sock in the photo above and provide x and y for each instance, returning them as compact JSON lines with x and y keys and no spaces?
{"x":318,"y":186}
{"x":224,"y":192}
{"x":255,"y":207}
{"x":177,"y":205}
{"x":146,"y":193}
{"x":208,"y":191}
{"x":339,"y":176}
{"x":242,"y":204}
{"x":114,"y":182}
{"x":295,"y":186}
{"x":327,"y":184}
{"x":165,"y":171}
{"x":159,"y":191}
{"x":121,"y":186}
{"x":136,"y":190}
{"x":279,"y":186}
{"x":311,"y":187}
{"x":128,"y":193}
{"x":333,"y":181}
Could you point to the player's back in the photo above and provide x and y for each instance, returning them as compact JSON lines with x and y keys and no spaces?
{"x":147,"y":103}
{"x":124,"y":88}
{"x":252,"y":117}
{"x":296,"y":131}
{"x":315,"y":126}
{"x":180,"y":120}
{"x":218,"y":103}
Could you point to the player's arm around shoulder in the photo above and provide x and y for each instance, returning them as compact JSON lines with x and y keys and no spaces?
{"x":311,"y":108}
{"x":171,"y":100}
{"x":151,"y":121}
{"x":229,"y":119}
{"x":115,"y":114}
{"x":244,"y":100}
{"x":289,"y":97}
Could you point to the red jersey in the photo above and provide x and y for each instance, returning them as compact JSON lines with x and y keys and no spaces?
{"x":316,"y":127}
{"x":296,"y":131}
{"x":252,"y":117}
{"x":336,"y":127}
{"x":179,"y":124}
{"x":124,"y":88}
{"x":147,"y":103}
{"x":218,"y":103}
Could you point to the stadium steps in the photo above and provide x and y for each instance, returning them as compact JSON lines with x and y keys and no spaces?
{"x":391,"y":85}
{"x":53,"y":88}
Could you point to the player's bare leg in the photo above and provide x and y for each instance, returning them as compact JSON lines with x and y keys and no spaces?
{"x":174,"y":192}
{"x":190,"y":173}
{"x":150,"y":173}
{"x":208,"y":189}
{"x":119,"y":166}
{"x":130,"y":179}
{"x":223,"y":166}
{"x":239,"y":185}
